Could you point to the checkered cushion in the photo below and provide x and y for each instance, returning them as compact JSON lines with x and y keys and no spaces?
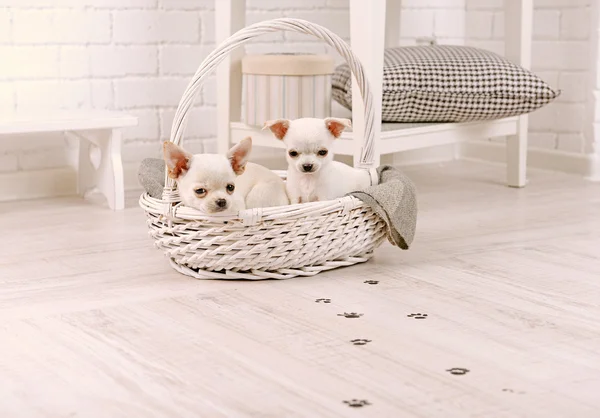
{"x":446,"y":83}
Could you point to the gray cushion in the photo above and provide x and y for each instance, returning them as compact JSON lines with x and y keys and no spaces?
{"x":447,"y":83}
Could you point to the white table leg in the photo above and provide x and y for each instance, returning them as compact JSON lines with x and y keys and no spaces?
{"x":367,"y":27}
{"x":231,"y":17}
{"x":86,"y":173}
{"x":518,"y":23}
{"x":110,"y":172}
{"x":108,"y":176}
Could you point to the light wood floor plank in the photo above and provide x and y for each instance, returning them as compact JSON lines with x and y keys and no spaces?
{"x":94,"y":322}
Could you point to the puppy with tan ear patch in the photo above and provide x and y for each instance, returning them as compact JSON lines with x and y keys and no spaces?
{"x":225,"y":184}
{"x":312,"y":173}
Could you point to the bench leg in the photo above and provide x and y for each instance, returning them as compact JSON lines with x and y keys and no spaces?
{"x":86,"y":174}
{"x":108,"y":176}
{"x":516,"y":155}
{"x":110,"y":172}
{"x":367,"y":27}
{"x":518,"y":23}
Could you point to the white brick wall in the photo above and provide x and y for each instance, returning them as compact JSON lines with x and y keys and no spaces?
{"x":121,"y":61}
{"x":5,"y":34}
{"x":181,"y":59}
{"x":561,"y":56}
{"x":65,"y":27}
{"x":138,"y":55}
{"x":155,"y":26}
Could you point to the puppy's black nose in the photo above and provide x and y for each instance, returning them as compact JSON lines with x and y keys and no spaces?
{"x":221,"y":203}
{"x":307,"y":167}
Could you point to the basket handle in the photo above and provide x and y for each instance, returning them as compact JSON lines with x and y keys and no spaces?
{"x":246,"y":34}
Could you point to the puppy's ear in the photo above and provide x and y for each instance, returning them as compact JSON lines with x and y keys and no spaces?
{"x":337,"y":125}
{"x":238,"y":155}
{"x":177,"y":159}
{"x":279,"y":127}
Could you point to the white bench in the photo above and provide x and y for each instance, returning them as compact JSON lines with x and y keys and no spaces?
{"x":99,"y":133}
{"x":374,"y":25}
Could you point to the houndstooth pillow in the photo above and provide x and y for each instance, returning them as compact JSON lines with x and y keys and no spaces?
{"x":446,"y":83}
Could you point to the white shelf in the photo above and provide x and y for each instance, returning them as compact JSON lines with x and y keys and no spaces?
{"x":374,"y":25}
{"x":46,"y":120}
{"x":396,"y":137}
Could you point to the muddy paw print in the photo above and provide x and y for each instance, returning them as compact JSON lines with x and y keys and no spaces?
{"x":323,"y":300}
{"x":371,"y":281}
{"x":357,"y":403}
{"x":459,"y":371}
{"x":418,"y":315}
{"x":350,"y":315}
{"x":360,"y":341}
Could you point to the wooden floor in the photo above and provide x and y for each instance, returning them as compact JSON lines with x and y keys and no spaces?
{"x":494,"y":312}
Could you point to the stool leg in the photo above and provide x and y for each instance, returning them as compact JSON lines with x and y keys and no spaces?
{"x":86,"y":174}
{"x":517,"y":44}
{"x":110,"y":172}
{"x":516,"y":155}
{"x":367,"y":27}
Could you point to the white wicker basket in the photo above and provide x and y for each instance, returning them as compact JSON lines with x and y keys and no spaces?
{"x":270,"y":243}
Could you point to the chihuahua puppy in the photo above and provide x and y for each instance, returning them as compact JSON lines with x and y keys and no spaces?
{"x":312,"y":173}
{"x":214,"y":183}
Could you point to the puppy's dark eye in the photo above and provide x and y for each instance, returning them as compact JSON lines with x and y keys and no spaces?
{"x":200,"y":192}
{"x":230,"y":188}
{"x":322,"y":152}
{"x":293,"y":154}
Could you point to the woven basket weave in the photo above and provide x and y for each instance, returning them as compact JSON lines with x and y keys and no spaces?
{"x":268,"y":243}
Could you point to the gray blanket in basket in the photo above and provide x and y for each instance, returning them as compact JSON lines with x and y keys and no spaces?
{"x":151,"y":176}
{"x":394,"y":198}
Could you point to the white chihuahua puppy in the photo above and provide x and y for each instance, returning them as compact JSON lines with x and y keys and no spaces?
{"x":214,"y":183}
{"x":312,"y":173}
